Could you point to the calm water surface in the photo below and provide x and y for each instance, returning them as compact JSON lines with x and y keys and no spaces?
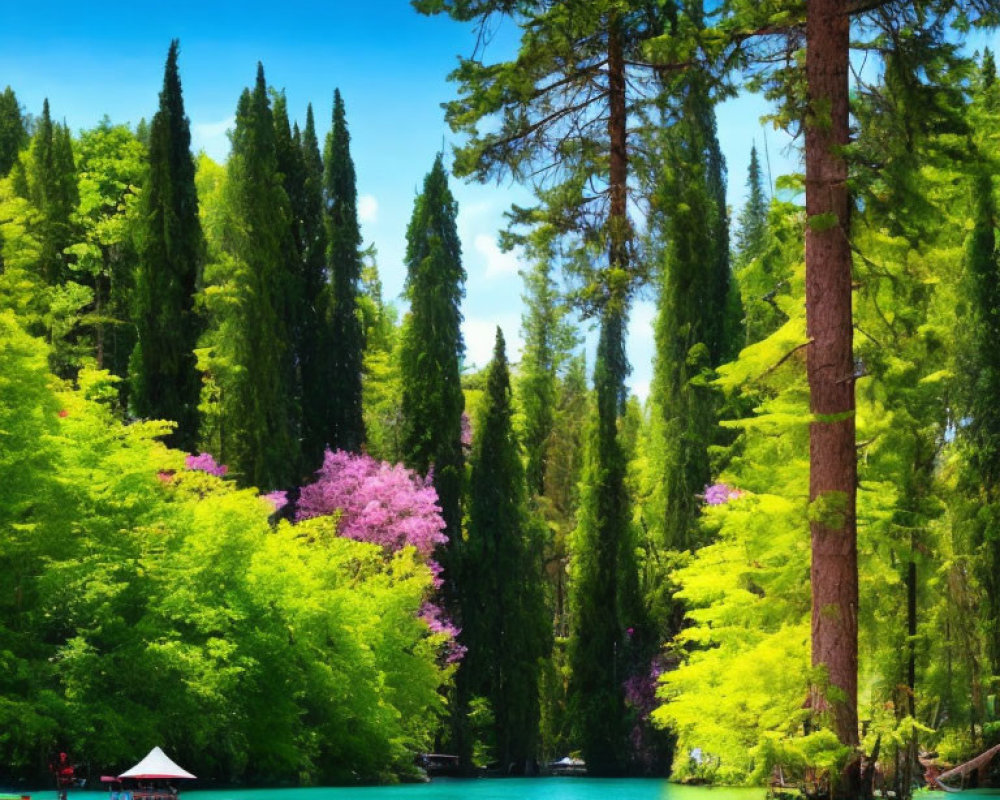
{"x":504,"y":789}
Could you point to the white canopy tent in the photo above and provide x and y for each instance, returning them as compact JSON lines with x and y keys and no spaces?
{"x":156,"y":767}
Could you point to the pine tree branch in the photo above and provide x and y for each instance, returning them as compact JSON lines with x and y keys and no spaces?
{"x":785,"y":358}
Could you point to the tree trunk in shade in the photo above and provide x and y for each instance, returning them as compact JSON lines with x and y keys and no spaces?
{"x":830,"y":363}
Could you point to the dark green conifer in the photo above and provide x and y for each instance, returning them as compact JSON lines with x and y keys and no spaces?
{"x":432,"y":401}
{"x":988,"y":70}
{"x":48,"y":179}
{"x":314,"y":343}
{"x":548,"y":342}
{"x":13,"y":136}
{"x":604,"y":602}
{"x":347,"y":427}
{"x":262,"y":410}
{"x":164,"y":378}
{"x":142,"y":132}
{"x":695,"y":327}
{"x":981,"y":431}
{"x":291,"y":165}
{"x":504,"y":622}
{"x":432,"y":347}
{"x":751,"y":235}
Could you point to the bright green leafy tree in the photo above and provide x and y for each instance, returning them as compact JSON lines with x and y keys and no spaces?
{"x":112,"y":172}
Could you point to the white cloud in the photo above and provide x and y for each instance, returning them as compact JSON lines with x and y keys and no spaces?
{"x":480,"y":336}
{"x":640,"y":389}
{"x":367,"y":208}
{"x":642,"y":347}
{"x":498,"y":263}
{"x":642,"y":317}
{"x":212,"y":138}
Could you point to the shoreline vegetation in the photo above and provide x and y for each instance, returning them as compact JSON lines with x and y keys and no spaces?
{"x":253,"y":512}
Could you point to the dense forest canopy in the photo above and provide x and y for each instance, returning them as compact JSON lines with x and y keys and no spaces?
{"x":281,"y":527}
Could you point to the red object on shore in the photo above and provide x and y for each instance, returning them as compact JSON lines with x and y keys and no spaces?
{"x":64,"y":771}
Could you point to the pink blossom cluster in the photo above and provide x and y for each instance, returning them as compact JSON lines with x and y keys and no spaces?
{"x":205,"y":462}
{"x":640,"y":694}
{"x":640,"y":690}
{"x":720,"y":493}
{"x":380,"y":503}
{"x":438,"y":622}
{"x":387,"y":505}
{"x":277,"y":499}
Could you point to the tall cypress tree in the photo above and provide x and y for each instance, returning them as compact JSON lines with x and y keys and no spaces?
{"x":548,"y":341}
{"x":347,"y":427}
{"x":504,"y":623}
{"x":432,"y":401}
{"x":13,"y":136}
{"x":988,"y":73}
{"x":432,"y":347}
{"x":165,"y":381}
{"x":751,"y":233}
{"x":576,"y":128}
{"x":982,"y":431}
{"x":604,"y":599}
{"x":261,"y":408}
{"x":48,"y":179}
{"x":314,"y":344}
{"x":693,"y":329}
{"x":760,"y":274}
{"x":291,"y":165}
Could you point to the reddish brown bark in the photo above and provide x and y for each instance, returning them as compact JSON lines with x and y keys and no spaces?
{"x":830,"y":363}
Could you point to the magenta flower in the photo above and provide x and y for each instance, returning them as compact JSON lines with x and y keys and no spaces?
{"x":390,"y":506}
{"x":438,"y":622}
{"x":277,"y":499}
{"x":380,"y":503}
{"x":205,"y":462}
{"x":720,"y":493}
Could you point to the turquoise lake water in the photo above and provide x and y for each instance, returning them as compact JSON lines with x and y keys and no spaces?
{"x":475,"y":789}
{"x":503,"y":789}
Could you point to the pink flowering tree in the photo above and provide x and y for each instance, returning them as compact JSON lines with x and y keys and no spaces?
{"x":205,"y":462}
{"x":720,"y":493}
{"x":387,"y":505}
{"x":380,"y":503}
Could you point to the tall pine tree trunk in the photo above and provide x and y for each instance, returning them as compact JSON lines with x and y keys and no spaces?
{"x":597,"y":683}
{"x":830,"y":364}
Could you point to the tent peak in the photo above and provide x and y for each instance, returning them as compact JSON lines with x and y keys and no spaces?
{"x":157,"y":766}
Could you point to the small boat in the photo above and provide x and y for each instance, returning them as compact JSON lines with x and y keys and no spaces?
{"x":568,"y":766}
{"x":439,"y":764}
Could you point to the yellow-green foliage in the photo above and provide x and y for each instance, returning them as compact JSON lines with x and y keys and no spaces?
{"x":740,"y":691}
{"x":747,"y":592}
{"x":142,"y":603}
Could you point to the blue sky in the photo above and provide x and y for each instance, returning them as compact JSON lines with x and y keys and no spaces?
{"x":391,"y":65}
